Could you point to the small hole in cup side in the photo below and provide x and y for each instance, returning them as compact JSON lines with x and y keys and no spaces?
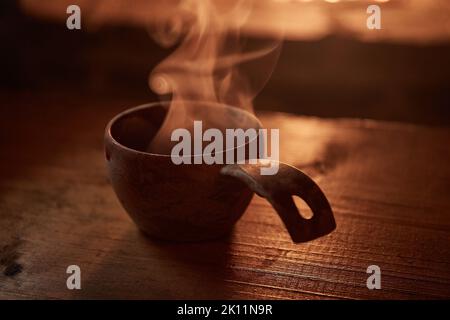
{"x":303,"y":208}
{"x":107,"y":155}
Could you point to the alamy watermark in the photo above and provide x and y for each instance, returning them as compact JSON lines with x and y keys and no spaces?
{"x":374,"y":280}
{"x":73,"y":282}
{"x":73,"y":21}
{"x":374,"y":20}
{"x":228,"y":148}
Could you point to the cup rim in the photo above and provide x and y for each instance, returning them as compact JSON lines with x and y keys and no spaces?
{"x":126,"y":112}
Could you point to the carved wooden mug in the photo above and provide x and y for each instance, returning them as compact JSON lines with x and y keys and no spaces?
{"x":189,"y":202}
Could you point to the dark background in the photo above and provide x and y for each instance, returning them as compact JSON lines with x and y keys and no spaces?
{"x":331,"y":77}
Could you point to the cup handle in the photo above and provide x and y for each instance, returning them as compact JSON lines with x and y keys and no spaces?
{"x":278,"y":189}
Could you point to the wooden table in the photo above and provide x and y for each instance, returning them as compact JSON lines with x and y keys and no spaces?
{"x":388,"y":184}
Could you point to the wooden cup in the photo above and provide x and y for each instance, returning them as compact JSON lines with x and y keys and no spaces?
{"x":191,"y":202}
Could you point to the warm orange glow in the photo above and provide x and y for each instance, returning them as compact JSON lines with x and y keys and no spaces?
{"x":413,"y":20}
{"x":206,"y":66}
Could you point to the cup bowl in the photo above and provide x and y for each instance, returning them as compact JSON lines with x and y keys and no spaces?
{"x":186,"y":202}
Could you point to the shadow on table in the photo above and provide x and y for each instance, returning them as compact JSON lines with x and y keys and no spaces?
{"x":141,"y":267}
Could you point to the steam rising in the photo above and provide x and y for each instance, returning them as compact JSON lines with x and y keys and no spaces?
{"x":210,"y":62}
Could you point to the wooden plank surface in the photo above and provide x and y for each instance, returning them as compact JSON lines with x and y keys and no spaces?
{"x":387,"y":183}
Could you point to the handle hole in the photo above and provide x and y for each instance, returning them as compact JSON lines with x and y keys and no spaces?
{"x":303,"y":208}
